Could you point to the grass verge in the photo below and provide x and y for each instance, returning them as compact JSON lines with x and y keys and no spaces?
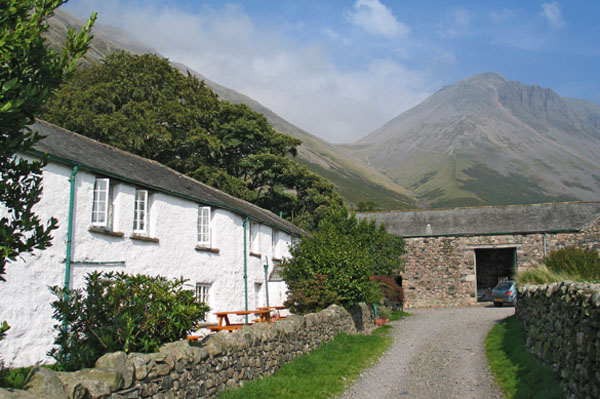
{"x":399,"y":314}
{"x":520,"y":374}
{"x":322,"y":373}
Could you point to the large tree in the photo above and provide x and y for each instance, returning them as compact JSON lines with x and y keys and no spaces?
{"x":29,"y":71}
{"x":141,"y":104}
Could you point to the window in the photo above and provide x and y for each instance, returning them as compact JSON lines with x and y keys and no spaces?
{"x":102,"y":204}
{"x":254,"y":243}
{"x":202,"y":292}
{"x":140,"y":216}
{"x":274,"y":243}
{"x":204,"y":226}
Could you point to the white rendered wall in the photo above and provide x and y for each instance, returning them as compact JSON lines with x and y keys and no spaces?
{"x":25,"y":298}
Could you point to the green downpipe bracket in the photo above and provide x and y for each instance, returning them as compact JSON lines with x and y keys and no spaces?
{"x":246,"y":267}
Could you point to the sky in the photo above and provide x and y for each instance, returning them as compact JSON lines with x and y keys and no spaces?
{"x":341,"y":69}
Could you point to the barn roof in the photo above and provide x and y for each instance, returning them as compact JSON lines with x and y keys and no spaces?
{"x":488,"y":220}
{"x":71,"y":148}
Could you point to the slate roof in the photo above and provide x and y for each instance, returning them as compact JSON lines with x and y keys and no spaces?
{"x":489,"y":220}
{"x":71,"y":148}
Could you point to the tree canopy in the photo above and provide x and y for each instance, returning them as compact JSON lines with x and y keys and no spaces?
{"x":29,"y":70}
{"x":141,"y":104}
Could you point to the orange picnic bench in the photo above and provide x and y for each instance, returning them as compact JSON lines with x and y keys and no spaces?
{"x":224,"y":324}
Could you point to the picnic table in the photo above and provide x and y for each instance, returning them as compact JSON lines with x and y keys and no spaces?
{"x":276,"y":315}
{"x":224,"y":324}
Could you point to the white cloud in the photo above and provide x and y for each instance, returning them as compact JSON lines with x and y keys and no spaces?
{"x":298,"y":81}
{"x":553,"y":14}
{"x":458,"y":23}
{"x":376,"y":19}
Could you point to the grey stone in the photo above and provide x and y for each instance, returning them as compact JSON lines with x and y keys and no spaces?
{"x":118,"y":361}
{"x":46,"y":384}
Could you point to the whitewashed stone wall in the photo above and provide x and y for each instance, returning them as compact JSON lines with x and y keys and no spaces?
{"x":25,"y":298}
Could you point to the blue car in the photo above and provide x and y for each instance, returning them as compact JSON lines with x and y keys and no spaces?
{"x":505,"y":292}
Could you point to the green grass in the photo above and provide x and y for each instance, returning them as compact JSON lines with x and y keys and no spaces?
{"x":519,"y":374}
{"x":399,"y":314}
{"x":322,"y":373}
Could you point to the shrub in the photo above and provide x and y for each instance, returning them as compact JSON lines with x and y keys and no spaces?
{"x":393,"y":296}
{"x":580,"y":264}
{"x":121,"y":313}
{"x":541,"y":275}
{"x":347,"y":252}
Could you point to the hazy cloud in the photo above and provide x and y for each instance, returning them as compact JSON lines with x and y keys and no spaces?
{"x":458,"y":23}
{"x":298,"y":81}
{"x":376,"y":18}
{"x":553,"y":14}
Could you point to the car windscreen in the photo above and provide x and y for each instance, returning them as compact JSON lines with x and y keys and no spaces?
{"x":504,"y":286}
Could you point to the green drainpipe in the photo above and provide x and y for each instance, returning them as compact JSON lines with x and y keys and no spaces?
{"x":69,"y":236}
{"x":246,"y":267}
{"x":70,"y":229}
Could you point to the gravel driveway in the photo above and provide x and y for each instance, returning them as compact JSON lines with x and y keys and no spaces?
{"x":437,"y":353}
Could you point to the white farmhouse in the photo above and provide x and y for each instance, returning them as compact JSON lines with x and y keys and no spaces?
{"x":123,"y":213}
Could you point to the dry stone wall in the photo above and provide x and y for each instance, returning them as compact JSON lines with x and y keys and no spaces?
{"x":440,"y":271}
{"x":562,"y":323}
{"x":180,"y":370}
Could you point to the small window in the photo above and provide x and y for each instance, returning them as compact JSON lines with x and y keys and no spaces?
{"x":204,"y":226}
{"x":254,"y":240}
{"x":102,"y":205}
{"x":140,"y":217}
{"x":275,"y":243}
{"x":202,"y":292}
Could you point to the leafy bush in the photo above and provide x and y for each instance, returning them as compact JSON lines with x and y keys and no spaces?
{"x":306,"y":295}
{"x":119,"y":312}
{"x":580,"y":264}
{"x":347,"y":253}
{"x":393,"y":295}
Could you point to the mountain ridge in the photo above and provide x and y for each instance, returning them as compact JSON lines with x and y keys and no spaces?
{"x":486,"y":127}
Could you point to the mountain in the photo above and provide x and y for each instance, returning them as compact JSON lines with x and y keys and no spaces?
{"x":355,"y":180}
{"x":486,"y":140}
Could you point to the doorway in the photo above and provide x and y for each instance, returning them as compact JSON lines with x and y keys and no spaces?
{"x":493,"y":265}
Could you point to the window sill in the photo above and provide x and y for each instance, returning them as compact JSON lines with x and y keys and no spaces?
{"x":255,"y":255}
{"x":140,"y":237}
{"x":103,"y":230}
{"x":274,"y":259}
{"x":207,"y":249}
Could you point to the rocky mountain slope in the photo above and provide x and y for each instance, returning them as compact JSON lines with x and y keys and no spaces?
{"x":355,"y":180}
{"x":486,"y":140}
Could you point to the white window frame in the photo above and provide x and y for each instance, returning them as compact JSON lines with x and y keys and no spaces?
{"x":101,"y":218}
{"x":202,"y":292}
{"x":140,"y":213}
{"x":204,"y":226}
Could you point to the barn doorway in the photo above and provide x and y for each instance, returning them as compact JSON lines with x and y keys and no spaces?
{"x":493,"y":265}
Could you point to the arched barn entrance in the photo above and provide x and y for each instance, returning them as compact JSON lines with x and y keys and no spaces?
{"x":493,"y":265}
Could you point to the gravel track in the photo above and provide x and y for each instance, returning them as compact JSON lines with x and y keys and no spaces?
{"x":436,"y":353}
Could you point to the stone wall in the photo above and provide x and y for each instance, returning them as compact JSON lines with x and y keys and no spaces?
{"x":562,"y":323}
{"x":440,"y":271}
{"x":180,"y":370}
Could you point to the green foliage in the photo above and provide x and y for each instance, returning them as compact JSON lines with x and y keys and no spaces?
{"x":15,"y":378}
{"x":119,"y":312}
{"x":307,"y":295}
{"x":320,"y":374}
{"x":580,"y":264}
{"x":29,"y":70}
{"x":520,"y":374}
{"x":541,"y":275}
{"x":141,"y":104}
{"x":367,"y":206}
{"x":344,"y":253}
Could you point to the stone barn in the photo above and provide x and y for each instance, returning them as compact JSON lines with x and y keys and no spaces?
{"x":454,"y":256}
